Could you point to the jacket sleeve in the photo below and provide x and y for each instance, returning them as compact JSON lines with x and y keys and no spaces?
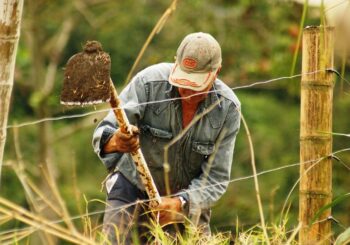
{"x":205,"y":190}
{"x":131,"y":97}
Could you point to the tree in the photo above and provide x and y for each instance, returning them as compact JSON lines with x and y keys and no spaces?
{"x":10,"y":22}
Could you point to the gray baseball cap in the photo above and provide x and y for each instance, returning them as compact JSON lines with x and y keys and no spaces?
{"x":198,"y":59}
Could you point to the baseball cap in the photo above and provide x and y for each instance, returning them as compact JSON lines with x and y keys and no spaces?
{"x":198,"y":59}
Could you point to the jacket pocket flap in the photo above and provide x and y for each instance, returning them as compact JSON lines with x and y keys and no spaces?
{"x":158,"y":108}
{"x":160,"y":133}
{"x":203,"y":148}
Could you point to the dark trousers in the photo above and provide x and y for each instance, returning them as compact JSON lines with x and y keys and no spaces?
{"x":125,"y":220}
{"x":121,"y":225}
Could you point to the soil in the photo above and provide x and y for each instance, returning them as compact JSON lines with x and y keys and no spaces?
{"x":87,"y":77}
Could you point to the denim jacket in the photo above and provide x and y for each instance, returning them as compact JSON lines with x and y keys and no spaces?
{"x":200,"y":161}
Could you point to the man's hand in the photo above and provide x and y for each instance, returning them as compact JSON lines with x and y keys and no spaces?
{"x":122,"y":142}
{"x":170,"y":211}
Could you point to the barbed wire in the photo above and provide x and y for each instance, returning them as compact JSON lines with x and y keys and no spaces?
{"x":46,"y":119}
{"x":331,"y":218}
{"x":342,"y":162}
{"x":179,"y":98}
{"x":118,"y":209}
{"x":172,"y":99}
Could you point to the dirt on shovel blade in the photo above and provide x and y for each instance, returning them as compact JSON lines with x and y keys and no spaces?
{"x":86,"y":77}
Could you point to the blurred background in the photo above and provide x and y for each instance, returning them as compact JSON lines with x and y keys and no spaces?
{"x":259,"y":41}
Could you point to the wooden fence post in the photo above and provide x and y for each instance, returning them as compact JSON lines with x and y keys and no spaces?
{"x":315,"y":138}
{"x":10,"y":20}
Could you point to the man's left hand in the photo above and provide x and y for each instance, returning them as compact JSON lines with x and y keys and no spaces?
{"x":170,"y":211}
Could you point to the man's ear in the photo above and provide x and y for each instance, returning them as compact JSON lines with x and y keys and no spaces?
{"x":218,"y":71}
{"x":216,"y":74}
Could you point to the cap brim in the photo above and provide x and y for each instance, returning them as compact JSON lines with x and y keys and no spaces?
{"x":193,"y":81}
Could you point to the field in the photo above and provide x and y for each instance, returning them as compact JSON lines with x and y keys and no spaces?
{"x":50,"y":189}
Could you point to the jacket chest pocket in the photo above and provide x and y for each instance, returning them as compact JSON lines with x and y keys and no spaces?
{"x":200,"y":153}
{"x":153,"y":141}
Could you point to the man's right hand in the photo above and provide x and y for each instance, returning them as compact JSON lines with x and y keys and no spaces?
{"x":123,"y":142}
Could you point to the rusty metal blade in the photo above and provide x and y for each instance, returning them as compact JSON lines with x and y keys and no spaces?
{"x":87,"y":77}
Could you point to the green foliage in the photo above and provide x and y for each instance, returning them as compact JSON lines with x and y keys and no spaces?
{"x":336,"y":201}
{"x":258,"y":42}
{"x":267,"y":142}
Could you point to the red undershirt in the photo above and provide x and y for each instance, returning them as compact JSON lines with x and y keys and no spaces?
{"x":190,"y":105}
{"x":188,"y":112}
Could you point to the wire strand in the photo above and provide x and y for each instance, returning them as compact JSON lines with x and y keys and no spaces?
{"x":165,"y":100}
{"x":118,"y":209}
{"x":161,"y":101}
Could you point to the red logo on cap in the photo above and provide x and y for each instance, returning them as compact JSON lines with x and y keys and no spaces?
{"x":189,"y":63}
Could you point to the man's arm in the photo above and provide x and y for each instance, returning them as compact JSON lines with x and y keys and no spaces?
{"x":123,"y":142}
{"x":108,"y":142}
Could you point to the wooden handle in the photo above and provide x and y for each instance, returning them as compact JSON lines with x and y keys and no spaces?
{"x":137,"y":156}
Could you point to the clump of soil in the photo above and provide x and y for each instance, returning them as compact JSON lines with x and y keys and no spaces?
{"x":87,"y":76}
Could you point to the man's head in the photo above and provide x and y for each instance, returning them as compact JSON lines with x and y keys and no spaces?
{"x":198,"y":61}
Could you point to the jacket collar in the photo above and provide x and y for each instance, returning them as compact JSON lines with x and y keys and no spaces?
{"x":214,"y":116}
{"x":212,"y":97}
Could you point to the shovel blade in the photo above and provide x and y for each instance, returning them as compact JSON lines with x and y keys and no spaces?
{"x":87,"y":77}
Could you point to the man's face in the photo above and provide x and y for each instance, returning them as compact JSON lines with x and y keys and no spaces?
{"x":194,"y":96}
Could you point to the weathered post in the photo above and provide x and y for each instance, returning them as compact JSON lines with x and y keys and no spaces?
{"x":315,"y":143}
{"x":10,"y":19}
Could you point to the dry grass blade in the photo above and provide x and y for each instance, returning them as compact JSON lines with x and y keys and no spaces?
{"x":52,"y":184}
{"x":43,"y":197}
{"x":41,"y":223}
{"x":16,"y":236}
{"x":30,"y":187}
{"x":19,"y":169}
{"x":297,"y":182}
{"x":5,"y":218}
{"x":212,"y":157}
{"x":76,"y":190}
{"x":295,"y":232}
{"x":26,"y":182}
{"x":156,"y":29}
{"x":256,"y":182}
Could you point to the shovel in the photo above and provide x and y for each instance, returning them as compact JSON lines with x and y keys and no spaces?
{"x":87,"y":81}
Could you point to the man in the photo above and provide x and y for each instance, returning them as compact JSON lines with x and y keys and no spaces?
{"x":161,"y":101}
